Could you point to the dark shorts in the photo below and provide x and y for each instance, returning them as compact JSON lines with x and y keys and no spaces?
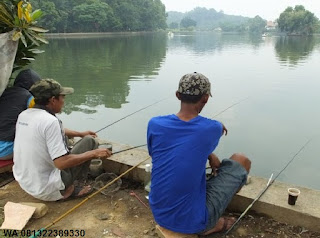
{"x":221,"y":189}
{"x":79,"y":172}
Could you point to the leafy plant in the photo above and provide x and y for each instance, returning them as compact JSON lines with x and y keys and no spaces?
{"x":17,"y":16}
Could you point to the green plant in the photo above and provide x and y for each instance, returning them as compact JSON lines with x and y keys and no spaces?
{"x":17,"y":16}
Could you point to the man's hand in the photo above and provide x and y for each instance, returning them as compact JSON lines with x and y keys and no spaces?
{"x":214,"y":163}
{"x":71,"y":133}
{"x":102,"y":153}
{"x":88,"y":133}
{"x":224,"y":130}
{"x":72,"y":160}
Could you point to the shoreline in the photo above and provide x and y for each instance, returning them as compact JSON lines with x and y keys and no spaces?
{"x":97,"y":34}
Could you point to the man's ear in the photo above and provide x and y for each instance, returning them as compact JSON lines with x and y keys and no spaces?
{"x":205,"y":98}
{"x":52,"y":99}
{"x":178,"y":95}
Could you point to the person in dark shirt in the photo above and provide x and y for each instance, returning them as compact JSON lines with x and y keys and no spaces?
{"x":181,"y":144}
{"x":13,"y":101}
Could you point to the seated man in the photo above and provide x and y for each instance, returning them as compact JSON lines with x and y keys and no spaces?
{"x":181,"y":199}
{"x":43,"y":165}
{"x":13,"y":101}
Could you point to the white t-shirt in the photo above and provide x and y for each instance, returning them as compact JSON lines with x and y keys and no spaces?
{"x":38,"y":141}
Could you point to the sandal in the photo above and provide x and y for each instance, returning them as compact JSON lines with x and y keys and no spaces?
{"x":77,"y":190}
{"x":227,"y":223}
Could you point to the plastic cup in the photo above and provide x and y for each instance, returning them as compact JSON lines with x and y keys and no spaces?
{"x":106,"y":146}
{"x":293,"y":195}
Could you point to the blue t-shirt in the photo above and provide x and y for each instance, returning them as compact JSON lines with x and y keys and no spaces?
{"x":179,"y":152}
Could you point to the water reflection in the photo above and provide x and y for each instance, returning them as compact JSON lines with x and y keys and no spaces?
{"x":99,"y":68}
{"x":294,"y":50}
{"x":208,"y":42}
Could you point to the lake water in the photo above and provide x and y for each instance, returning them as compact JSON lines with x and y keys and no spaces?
{"x":272,"y":82}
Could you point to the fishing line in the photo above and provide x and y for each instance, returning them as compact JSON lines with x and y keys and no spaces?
{"x":231,"y":106}
{"x":131,"y":114}
{"x":161,"y":101}
{"x":270,"y":182}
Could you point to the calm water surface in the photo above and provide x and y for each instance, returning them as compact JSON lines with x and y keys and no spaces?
{"x":278,"y":77}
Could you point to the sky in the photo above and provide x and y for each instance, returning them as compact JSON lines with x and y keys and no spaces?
{"x":269,"y":10}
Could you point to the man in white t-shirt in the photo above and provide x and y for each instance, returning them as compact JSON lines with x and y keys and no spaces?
{"x":43,"y":165}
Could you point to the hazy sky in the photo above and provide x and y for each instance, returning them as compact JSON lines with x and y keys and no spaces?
{"x":269,"y":10}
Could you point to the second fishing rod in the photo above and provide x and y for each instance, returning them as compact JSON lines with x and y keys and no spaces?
{"x":141,"y":109}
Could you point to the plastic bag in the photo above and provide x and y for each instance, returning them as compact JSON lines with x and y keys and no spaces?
{"x":8,"y":50}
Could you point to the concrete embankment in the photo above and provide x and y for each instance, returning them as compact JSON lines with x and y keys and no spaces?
{"x":273,"y":203}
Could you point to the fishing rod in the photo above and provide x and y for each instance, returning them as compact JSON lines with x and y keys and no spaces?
{"x":131,"y":114}
{"x":40,"y":231}
{"x":251,"y":204}
{"x":231,"y":106}
{"x":270,"y":182}
{"x":128,"y":149}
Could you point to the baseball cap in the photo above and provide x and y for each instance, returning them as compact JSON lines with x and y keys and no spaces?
{"x":194,"y":84}
{"x":46,"y":88}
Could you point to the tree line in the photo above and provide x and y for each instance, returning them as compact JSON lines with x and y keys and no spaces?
{"x":295,"y":20}
{"x":101,"y":15}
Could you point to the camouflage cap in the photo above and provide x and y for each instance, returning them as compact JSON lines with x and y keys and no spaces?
{"x":194,"y":84}
{"x":47,"y":88}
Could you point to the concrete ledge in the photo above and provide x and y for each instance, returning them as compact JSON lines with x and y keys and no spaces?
{"x":273,"y":203}
{"x":119,"y":163}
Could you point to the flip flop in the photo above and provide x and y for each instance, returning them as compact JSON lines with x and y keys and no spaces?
{"x":78,"y":189}
{"x":227,"y":221}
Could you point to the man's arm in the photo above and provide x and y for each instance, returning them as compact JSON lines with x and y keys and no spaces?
{"x":71,"y":133}
{"x":72,"y":160}
{"x":214,"y":162}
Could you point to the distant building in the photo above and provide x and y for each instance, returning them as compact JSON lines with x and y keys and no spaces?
{"x":271,"y":25}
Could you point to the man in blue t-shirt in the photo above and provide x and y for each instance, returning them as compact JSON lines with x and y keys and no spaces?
{"x":180,"y":144}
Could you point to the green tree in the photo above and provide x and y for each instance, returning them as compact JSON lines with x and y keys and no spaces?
{"x":102,"y":15}
{"x":257,"y":24}
{"x":174,"y":25}
{"x":97,"y":16}
{"x":51,"y":18}
{"x":187,"y":22}
{"x":298,"y":20}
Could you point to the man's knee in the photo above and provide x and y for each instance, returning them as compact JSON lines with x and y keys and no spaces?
{"x":90,"y":141}
{"x":85,"y":144}
{"x":243,"y":160}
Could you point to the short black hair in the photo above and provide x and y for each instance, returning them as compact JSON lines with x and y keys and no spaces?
{"x":43,"y":101}
{"x":186,"y":98}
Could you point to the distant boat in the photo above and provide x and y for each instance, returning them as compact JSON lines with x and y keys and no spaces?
{"x":170,"y":34}
{"x":264,"y":34}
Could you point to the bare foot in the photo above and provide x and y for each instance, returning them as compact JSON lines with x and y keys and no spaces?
{"x":223,"y":224}
{"x":77,"y":192}
{"x":68,"y":192}
{"x":84,"y":191}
